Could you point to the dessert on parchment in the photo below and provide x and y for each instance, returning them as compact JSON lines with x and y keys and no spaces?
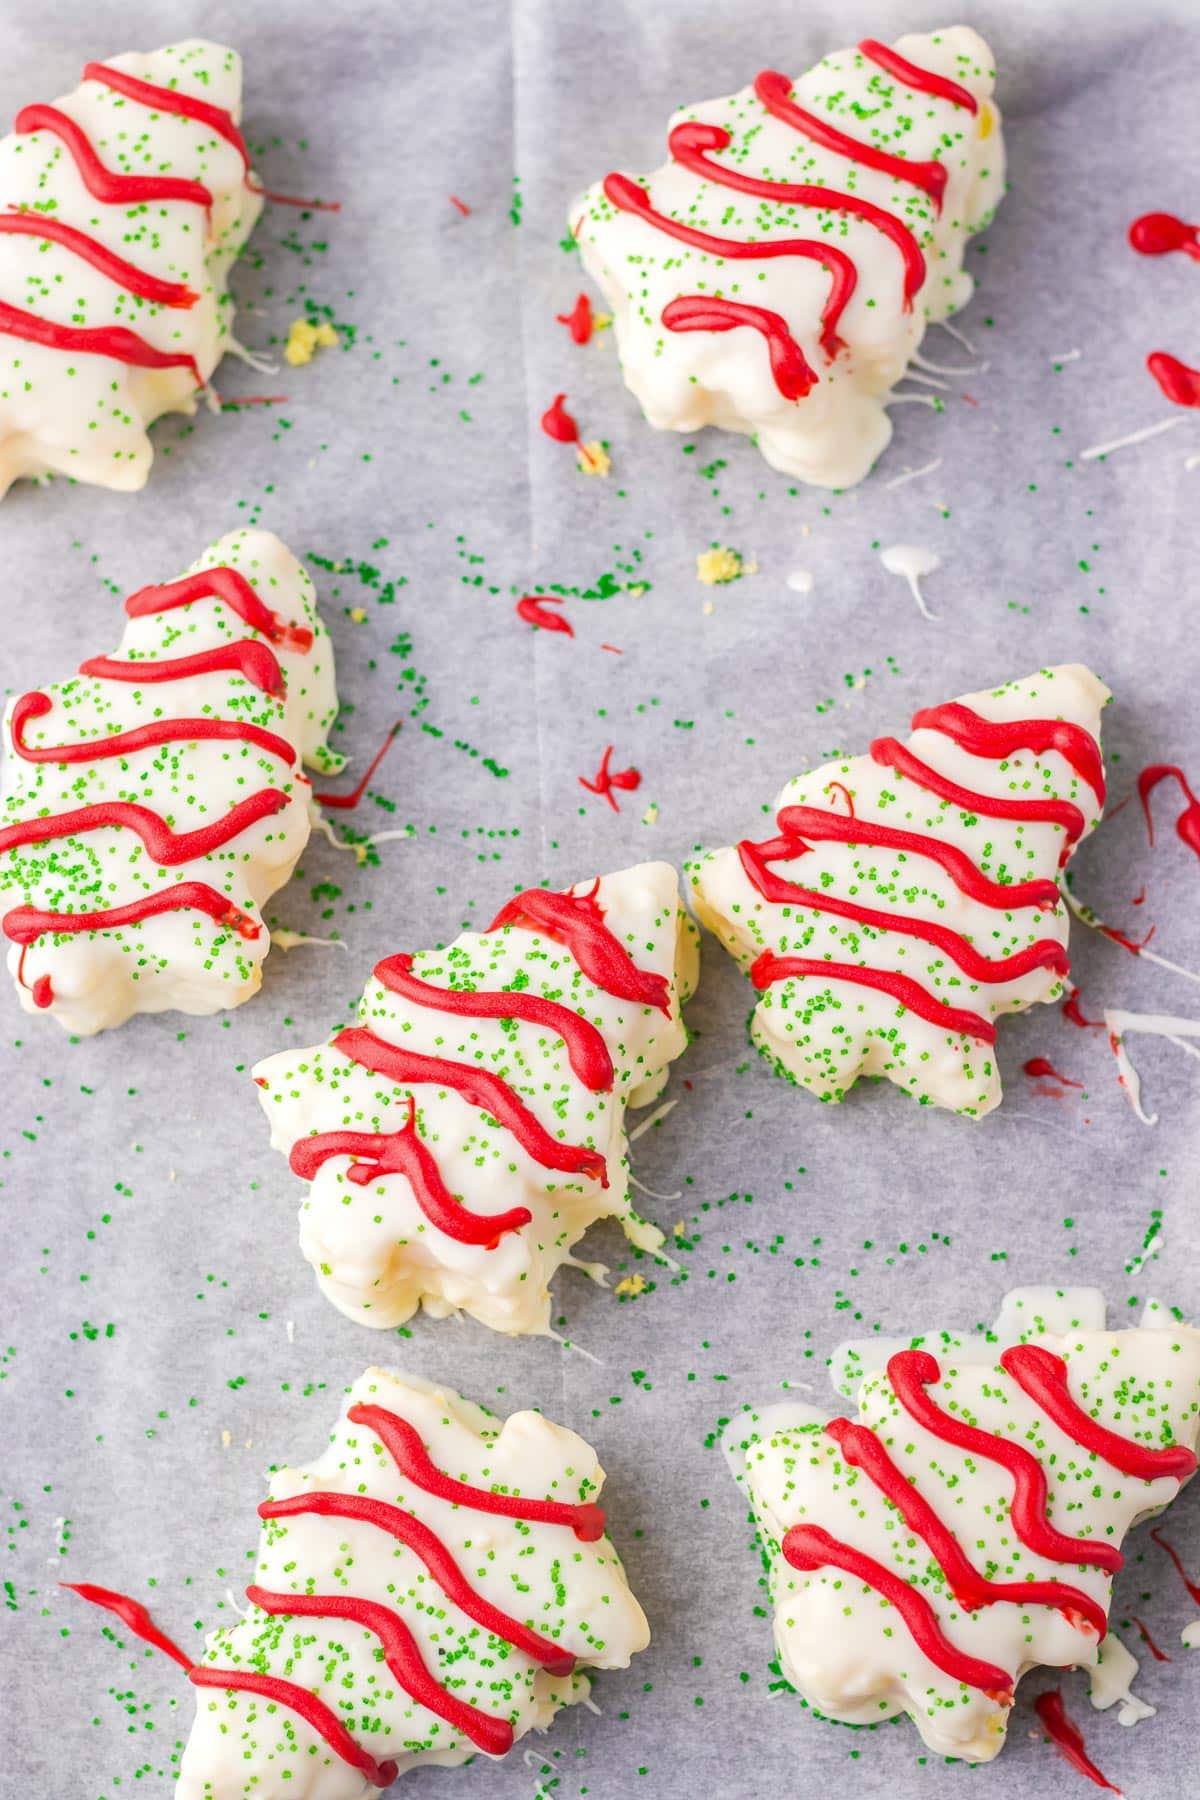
{"x":775,"y":276}
{"x":152,"y":803}
{"x":908,"y":898}
{"x":965,"y":1526}
{"x":463,"y":1134}
{"x":123,"y":206}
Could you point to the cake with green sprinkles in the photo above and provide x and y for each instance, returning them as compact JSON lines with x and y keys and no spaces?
{"x":151,"y":804}
{"x":965,"y":1527}
{"x":909,"y":897}
{"x":776,"y":275}
{"x":434,"y":1586}
{"x":123,"y":206}
{"x":461,"y":1137}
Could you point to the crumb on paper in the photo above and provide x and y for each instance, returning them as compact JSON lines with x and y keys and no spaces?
{"x":650,"y":816}
{"x":593,"y":458}
{"x":304,"y":339}
{"x":720,"y":565}
{"x":226,"y":1439}
{"x":679,"y":1228}
{"x":601,"y":321}
{"x":632,"y":1284}
{"x":358,"y":614}
{"x":710,"y":606}
{"x":636,"y":588}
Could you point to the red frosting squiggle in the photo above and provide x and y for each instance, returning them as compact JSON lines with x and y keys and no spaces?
{"x":1187,"y":825}
{"x":170,"y":100}
{"x":890,"y":753}
{"x":1043,"y":1376}
{"x":230,"y":588}
{"x":908,"y":993}
{"x":132,"y":1614}
{"x":105,"y":184}
{"x":996,"y":739}
{"x":113,"y":341}
{"x":90,"y":250}
{"x":697,"y":312}
{"x":577,"y":921}
{"x":306,"y":1706}
{"x":24,"y":924}
{"x":1067,"y":1738}
{"x":774,"y":90}
{"x":165,"y":846}
{"x":244,"y":657}
{"x":36,"y":705}
{"x":920,"y":80}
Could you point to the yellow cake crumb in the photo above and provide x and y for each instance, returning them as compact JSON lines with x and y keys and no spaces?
{"x":304,"y":339}
{"x":715,"y":567}
{"x":593,"y":458}
{"x":358,"y":614}
{"x":636,"y":588}
{"x":679,"y":1229}
{"x":650,"y":816}
{"x":601,"y":321}
{"x":632,"y":1284}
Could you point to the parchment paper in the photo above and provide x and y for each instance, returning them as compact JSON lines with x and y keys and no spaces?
{"x":163,"y":1341}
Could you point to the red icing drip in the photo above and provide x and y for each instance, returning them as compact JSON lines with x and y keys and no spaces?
{"x":1154,"y":234}
{"x":579,"y":320}
{"x":629,"y":197}
{"x":1040,"y":1068}
{"x":404,"y":1153}
{"x":1073,"y":1013}
{"x":460,"y":206}
{"x":170,"y":100}
{"x":102,"y":183}
{"x":42,"y":991}
{"x":778,"y":891}
{"x":1180,"y":384}
{"x":910,"y":1373}
{"x":558,"y":424}
{"x":403,"y":1444}
{"x":323,"y":1720}
{"x":1158,"y":1654}
{"x":170,"y":848}
{"x":1043,"y":1376}
{"x":696,"y":312}
{"x":478,"y":1087}
{"x":91,"y":250}
{"x":133,"y":1615}
{"x":809,"y":1547}
{"x":800,"y":822}
{"x":426,"y":1544}
{"x":774,"y":92}
{"x":346,"y":802}
{"x":533,"y":609}
{"x":24,"y":924}
{"x":861,"y":1449}
{"x":1193,"y":1587}
{"x":606,"y":779}
{"x":113,"y":341}
{"x":234,"y":591}
{"x":890,"y":753}
{"x":577,"y":921}
{"x":908,"y":993}
{"x":921,"y":81}
{"x":587,"y":1051}
{"x":1067,"y":1738}
{"x":401,"y":1655}
{"x":141,"y":737}
{"x":689,"y":142}
{"x":996,"y":739}
{"x":1187,"y":825}
{"x":244,"y":657}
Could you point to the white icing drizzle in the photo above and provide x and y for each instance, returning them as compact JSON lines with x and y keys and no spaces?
{"x":1166,"y":1025}
{"x":800,"y":581}
{"x":912,"y":561}
{"x":1092,"y":920}
{"x":1066,"y":356}
{"x":1132,"y":437}
{"x":1111,"y":1682}
{"x":914,"y":474}
{"x":283,"y":939}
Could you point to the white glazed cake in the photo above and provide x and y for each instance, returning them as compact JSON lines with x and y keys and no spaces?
{"x":437,"y":1584}
{"x":777,"y":274}
{"x":122,"y":208}
{"x":151,"y":804}
{"x":463,"y":1135}
{"x":909,"y":897}
{"x":966,"y":1526}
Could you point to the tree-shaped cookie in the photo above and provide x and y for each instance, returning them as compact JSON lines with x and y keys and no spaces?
{"x":777,"y":273}
{"x":435,"y":1585}
{"x":463,"y":1134}
{"x":966,"y":1525}
{"x":122,"y":208}
{"x":908,"y":898}
{"x":152,"y":803}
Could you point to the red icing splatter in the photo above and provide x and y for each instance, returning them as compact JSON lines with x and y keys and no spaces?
{"x":579,"y":320}
{"x":460,"y":206}
{"x":1158,"y":1654}
{"x":1067,"y":1738}
{"x":1193,"y":1587}
{"x":558,"y":424}
{"x":606,"y":779}
{"x":534,"y":609}
{"x":1187,"y":825}
{"x":346,"y":802}
{"x":1180,"y":384}
{"x":1039,"y":1068}
{"x":1157,"y":233}
{"x":1073,"y":1012}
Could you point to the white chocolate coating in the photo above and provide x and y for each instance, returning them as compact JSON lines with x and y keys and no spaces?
{"x":824,"y":1033}
{"x":376,"y":1255}
{"x":570,"y":1591}
{"x":87,"y":415}
{"x":686,"y":380}
{"x":183,"y":959}
{"x":848,"y":1651}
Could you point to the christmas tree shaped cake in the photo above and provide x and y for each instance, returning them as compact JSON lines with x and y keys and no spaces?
{"x":152,"y":803}
{"x":436,"y":1584}
{"x":777,"y":273}
{"x":966,"y":1526}
{"x":908,"y":898}
{"x":122,"y":208}
{"x":464,"y":1133}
